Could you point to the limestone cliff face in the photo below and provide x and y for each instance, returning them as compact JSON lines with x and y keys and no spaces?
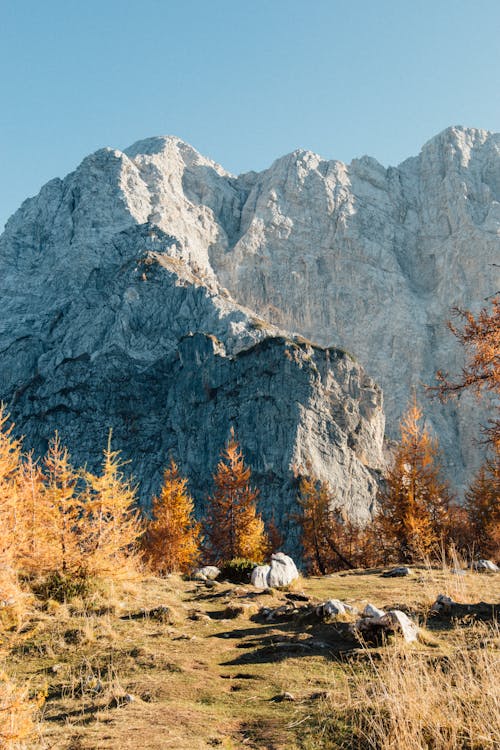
{"x":104,"y":327}
{"x":109,"y":277}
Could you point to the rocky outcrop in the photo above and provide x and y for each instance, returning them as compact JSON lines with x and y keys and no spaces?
{"x":104,"y":326}
{"x":116,"y":311}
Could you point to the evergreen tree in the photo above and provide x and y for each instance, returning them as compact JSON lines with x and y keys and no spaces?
{"x":233,"y":526}
{"x":172,"y":540}
{"x":415,"y":500}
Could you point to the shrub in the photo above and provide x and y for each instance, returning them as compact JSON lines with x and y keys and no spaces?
{"x":238,"y":570}
{"x":62,"y":587}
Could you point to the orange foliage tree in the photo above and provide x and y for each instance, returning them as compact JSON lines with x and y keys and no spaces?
{"x":62,"y":509}
{"x":172,"y":540}
{"x":480,"y":337}
{"x":482,"y":502}
{"x":233,"y":526}
{"x":10,"y":463}
{"x":35,"y":546}
{"x":110,"y":519}
{"x":329,"y":541}
{"x":415,"y":501}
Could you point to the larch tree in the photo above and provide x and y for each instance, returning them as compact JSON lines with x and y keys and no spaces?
{"x":173,"y":536}
{"x":415,"y":500}
{"x":274,"y":536}
{"x":35,"y":546}
{"x":62,"y":506}
{"x":110,"y":518}
{"x":11,"y":521}
{"x":480,"y":336}
{"x":233,"y":527}
{"x":10,"y":464}
{"x":320,"y":525}
{"x":482,"y":502}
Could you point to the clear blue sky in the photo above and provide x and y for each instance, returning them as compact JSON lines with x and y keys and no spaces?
{"x":244,"y":82}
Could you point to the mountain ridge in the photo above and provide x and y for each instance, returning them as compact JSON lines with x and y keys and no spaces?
{"x":356,"y":256}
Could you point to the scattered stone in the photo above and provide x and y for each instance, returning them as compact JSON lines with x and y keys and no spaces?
{"x":161,"y":614}
{"x":458,"y":572}
{"x":207,"y":573}
{"x":319,"y":695}
{"x":482,"y":611}
{"x":260,"y":576}
{"x":398,"y":621}
{"x":283,"y":570}
{"x":299,"y":597}
{"x":394,"y":621}
{"x":284,"y":697}
{"x":128,"y":698}
{"x":372,"y":611}
{"x":484,"y":566}
{"x":333,"y":608}
{"x":399,"y":572}
{"x":443,"y":603}
{"x":236,"y":609}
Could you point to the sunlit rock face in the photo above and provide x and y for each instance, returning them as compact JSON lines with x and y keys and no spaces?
{"x":144,"y":275}
{"x":104,"y":328}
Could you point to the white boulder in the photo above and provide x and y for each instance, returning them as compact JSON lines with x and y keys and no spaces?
{"x":260,"y":576}
{"x":283,"y":570}
{"x":332,"y":608}
{"x":372,"y":611}
{"x":399,"y":622}
{"x":280,"y":572}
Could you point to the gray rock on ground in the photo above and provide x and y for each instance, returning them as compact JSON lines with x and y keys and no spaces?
{"x":399,"y":572}
{"x":372,"y":611}
{"x":485,"y":566}
{"x":207,"y":573}
{"x":374,"y":623}
{"x":279,"y":573}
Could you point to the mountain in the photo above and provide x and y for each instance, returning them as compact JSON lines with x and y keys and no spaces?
{"x":152,"y":291}
{"x":104,"y":325}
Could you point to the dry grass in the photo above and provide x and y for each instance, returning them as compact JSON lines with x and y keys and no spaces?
{"x":203,"y":671}
{"x":407,"y":699}
{"x":18,"y":727}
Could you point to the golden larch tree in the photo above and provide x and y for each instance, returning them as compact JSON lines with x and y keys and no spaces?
{"x":40,"y":513}
{"x":11,"y":520}
{"x":480,"y":336}
{"x":274,"y":536}
{"x":233,"y":526}
{"x":482,"y":502}
{"x":111,"y":518}
{"x":173,"y":536}
{"x":415,"y":500}
{"x":321,"y":527}
{"x":62,"y":507}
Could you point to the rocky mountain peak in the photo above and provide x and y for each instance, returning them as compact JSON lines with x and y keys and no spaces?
{"x":107,"y":271}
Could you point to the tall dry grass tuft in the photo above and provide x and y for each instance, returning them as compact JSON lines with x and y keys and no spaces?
{"x":18,"y":730}
{"x":412,"y":700}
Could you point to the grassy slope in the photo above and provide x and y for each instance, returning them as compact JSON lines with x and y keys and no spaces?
{"x":201,"y":679}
